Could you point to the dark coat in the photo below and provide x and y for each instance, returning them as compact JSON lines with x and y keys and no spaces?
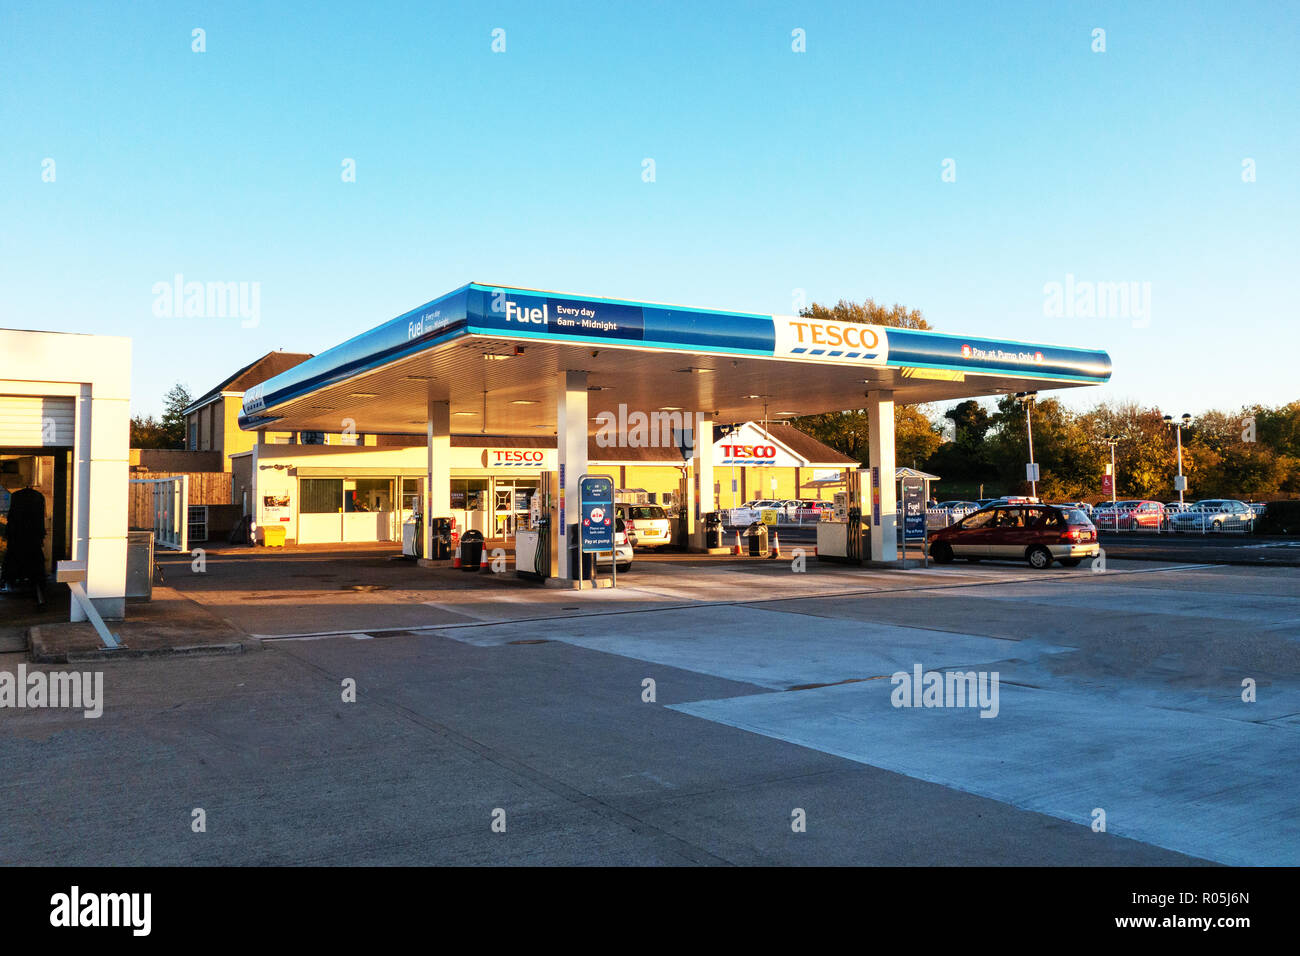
{"x":24,"y":557}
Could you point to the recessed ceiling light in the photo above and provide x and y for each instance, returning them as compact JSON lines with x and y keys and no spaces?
{"x":523,"y":401}
{"x":670,"y":408}
{"x":459,"y":414}
{"x":693,"y":370}
{"x":598,"y":388}
{"x":787,"y":413}
{"x":494,"y":357}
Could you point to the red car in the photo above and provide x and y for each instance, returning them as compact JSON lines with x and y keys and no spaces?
{"x":1039,"y":534}
{"x":1129,"y":515}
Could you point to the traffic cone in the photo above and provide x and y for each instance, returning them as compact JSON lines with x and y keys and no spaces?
{"x":737,"y":551}
{"x":455,"y":561}
{"x":483,"y":562}
{"x":776,"y":546}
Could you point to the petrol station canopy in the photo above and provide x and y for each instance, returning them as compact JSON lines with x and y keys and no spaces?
{"x":493,"y":352}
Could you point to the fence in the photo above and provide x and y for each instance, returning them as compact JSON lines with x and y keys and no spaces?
{"x":205,"y":488}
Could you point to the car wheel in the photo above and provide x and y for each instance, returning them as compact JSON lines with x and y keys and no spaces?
{"x":1070,"y":562}
{"x":941,"y":551}
{"x":1039,"y":557}
{"x":624,"y":568}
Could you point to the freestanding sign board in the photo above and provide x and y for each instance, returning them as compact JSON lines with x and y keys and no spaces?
{"x":597,"y":531}
{"x":914,"y":509}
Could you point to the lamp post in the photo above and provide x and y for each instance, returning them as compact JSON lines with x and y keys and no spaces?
{"x":1178,"y":425}
{"x":1027,"y":399}
{"x":1112,"y":441}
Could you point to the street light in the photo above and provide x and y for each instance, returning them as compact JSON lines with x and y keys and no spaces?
{"x":1112,"y":441}
{"x":1179,"y":425}
{"x":1027,"y":399}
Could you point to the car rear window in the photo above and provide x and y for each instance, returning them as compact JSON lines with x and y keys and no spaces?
{"x":645,"y":512}
{"x":1075,"y":516}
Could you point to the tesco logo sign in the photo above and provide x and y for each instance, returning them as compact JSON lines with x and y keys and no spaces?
{"x":749,"y":451}
{"x":518,"y":456}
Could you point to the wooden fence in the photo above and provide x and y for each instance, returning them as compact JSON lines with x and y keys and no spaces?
{"x":206,"y":488}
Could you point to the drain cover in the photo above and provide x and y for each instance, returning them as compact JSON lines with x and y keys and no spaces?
{"x":363,"y":587}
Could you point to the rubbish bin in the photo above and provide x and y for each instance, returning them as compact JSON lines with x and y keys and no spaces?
{"x":440,"y":538}
{"x":756,"y":536}
{"x":471,"y":550}
{"x":139,"y":565}
{"x":713,"y":530}
{"x":577,"y":556}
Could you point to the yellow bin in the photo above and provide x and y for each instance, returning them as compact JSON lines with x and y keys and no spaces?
{"x":273,"y":536}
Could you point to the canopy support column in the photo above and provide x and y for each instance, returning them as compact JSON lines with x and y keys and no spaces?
{"x":571,"y":448}
{"x":437,"y":477}
{"x":701,"y":490}
{"x":884,"y":497}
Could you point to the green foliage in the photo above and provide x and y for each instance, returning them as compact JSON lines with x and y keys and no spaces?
{"x":148,"y":432}
{"x":869,"y":312}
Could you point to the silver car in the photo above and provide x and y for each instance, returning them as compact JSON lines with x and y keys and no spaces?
{"x":1214,"y":514}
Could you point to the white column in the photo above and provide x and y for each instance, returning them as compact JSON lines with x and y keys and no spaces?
{"x":571,"y":447}
{"x":882,"y":496}
{"x":437,"y":476}
{"x":702,"y":467}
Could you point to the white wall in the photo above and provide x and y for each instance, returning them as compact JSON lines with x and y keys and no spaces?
{"x":95,"y":370}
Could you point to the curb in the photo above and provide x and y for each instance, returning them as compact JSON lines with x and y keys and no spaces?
{"x":104,"y":654}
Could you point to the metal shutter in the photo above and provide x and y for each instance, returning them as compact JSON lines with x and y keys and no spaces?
{"x":28,"y":421}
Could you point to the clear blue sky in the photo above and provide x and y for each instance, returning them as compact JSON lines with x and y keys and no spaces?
{"x":775,"y":170}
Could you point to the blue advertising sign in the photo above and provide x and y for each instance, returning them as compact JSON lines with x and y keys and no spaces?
{"x":597,"y":528}
{"x":523,"y":314}
{"x":913,"y":509}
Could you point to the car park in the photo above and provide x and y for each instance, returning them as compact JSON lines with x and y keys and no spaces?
{"x":1131,"y":515}
{"x":957,"y":508}
{"x":649,"y":525}
{"x":1039,"y":534}
{"x":1214,"y":514}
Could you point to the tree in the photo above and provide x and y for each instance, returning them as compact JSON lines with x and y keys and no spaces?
{"x":149,"y":432}
{"x":916,"y":437}
{"x":970,"y":423}
{"x":173,"y":421}
{"x":868,"y":313}
{"x":146,"y":432}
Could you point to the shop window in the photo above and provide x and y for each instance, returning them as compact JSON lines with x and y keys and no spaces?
{"x":412,"y":491}
{"x":320,"y":496}
{"x":368,"y":494}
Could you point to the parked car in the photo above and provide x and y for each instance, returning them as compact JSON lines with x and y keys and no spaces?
{"x":1039,"y":534}
{"x":957,"y":508}
{"x":649,"y":525}
{"x":1214,"y":514}
{"x":1130,"y":515}
{"x":806,"y":509}
{"x":1259,"y":507}
{"x":622,"y":547}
